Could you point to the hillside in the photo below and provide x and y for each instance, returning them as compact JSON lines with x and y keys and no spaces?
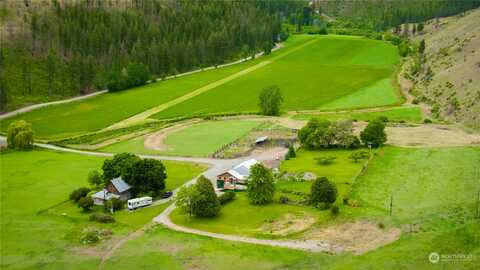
{"x":449,"y":80}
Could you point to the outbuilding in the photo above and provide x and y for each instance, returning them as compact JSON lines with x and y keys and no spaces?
{"x":237,"y":177}
{"x":115,"y":188}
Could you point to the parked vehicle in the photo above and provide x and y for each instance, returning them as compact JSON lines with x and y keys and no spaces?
{"x":167,"y":194}
{"x":139,"y":202}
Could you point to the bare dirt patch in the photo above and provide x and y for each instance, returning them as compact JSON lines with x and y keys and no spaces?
{"x":358,"y":237}
{"x":430,"y":135}
{"x":155,"y":141}
{"x":289,"y":224}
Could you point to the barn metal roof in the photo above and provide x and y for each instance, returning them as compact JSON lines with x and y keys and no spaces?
{"x":120,"y":185}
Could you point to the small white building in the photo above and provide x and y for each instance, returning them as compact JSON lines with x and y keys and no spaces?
{"x":236,"y":178}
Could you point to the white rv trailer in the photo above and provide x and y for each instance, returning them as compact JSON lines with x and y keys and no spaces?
{"x":139,"y":202}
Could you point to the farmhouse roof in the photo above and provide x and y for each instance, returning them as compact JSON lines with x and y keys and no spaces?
{"x":120,"y":185}
{"x":104,"y":195}
{"x":242,"y":170}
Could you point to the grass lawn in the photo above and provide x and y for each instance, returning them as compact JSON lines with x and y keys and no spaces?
{"x":407,"y":114}
{"x":161,"y":248}
{"x":341,"y":171}
{"x":377,"y":94}
{"x":239,"y":217}
{"x":102,"y":111}
{"x":32,"y":182}
{"x":331,"y":68}
{"x":201,"y":139}
{"x":422,"y":182}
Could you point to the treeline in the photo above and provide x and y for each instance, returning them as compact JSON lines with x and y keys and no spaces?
{"x":380,"y":15}
{"x":67,"y":48}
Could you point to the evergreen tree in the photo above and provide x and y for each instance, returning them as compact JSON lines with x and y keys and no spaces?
{"x":323,"y":191}
{"x":261,"y":187}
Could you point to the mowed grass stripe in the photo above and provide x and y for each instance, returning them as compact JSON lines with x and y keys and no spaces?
{"x":329,"y":69}
{"x":95,"y":114}
{"x":144,"y":115}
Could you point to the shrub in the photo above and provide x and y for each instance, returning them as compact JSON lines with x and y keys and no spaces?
{"x":91,"y":237}
{"x":283,"y":199}
{"x":335,"y":210}
{"x":226,"y":197}
{"x":356,"y":156}
{"x":20,"y":135}
{"x":381,"y":225}
{"x":427,"y":121}
{"x":102,"y":218}
{"x":86,"y":203}
{"x":323,"y":205}
{"x":79,"y":193}
{"x":115,"y":204}
{"x":326,"y":160}
{"x":323,"y":190}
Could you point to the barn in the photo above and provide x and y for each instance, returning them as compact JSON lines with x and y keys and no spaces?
{"x":237,"y":177}
{"x":115,"y":188}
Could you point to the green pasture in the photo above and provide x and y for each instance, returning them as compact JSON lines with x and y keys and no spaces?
{"x":161,"y":248}
{"x":239,"y":217}
{"x":201,"y":139}
{"x":100,"y":112}
{"x":39,"y":229}
{"x":342,"y":171}
{"x":406,"y":114}
{"x":421,"y":182}
{"x":327,"y":69}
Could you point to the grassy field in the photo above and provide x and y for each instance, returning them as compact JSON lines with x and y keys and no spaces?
{"x":201,"y":139}
{"x":239,"y":217}
{"x":407,"y":114}
{"x":164,"y":249}
{"x":341,"y":171}
{"x":423,"y":182}
{"x":331,"y":68}
{"x":34,"y":237}
{"x":99,"y":112}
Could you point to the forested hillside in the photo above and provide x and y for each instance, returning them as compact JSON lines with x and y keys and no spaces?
{"x":51,"y":49}
{"x":65,"y":48}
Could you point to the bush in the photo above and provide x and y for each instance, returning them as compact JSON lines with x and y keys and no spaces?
{"x":115,"y":204}
{"x":335,"y":210}
{"x":79,"y":193}
{"x":427,"y":121}
{"x":283,"y":199}
{"x":20,"y":135}
{"x":91,"y":237}
{"x":86,"y":203}
{"x":226,"y":197}
{"x":323,"y":190}
{"x":326,"y":160}
{"x":323,"y":205}
{"x":102,"y":218}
